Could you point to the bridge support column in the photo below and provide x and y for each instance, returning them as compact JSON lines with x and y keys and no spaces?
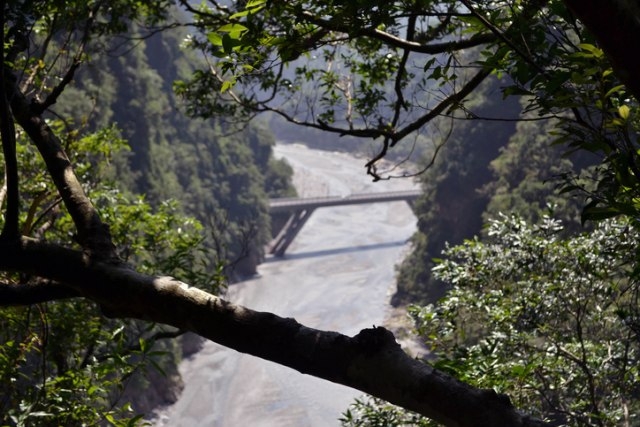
{"x":289,"y":232}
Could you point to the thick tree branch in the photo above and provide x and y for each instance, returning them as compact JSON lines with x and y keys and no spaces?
{"x":34,"y":293}
{"x":616,"y":26}
{"x":371,"y":361}
{"x":399,"y":42}
{"x":93,"y":234}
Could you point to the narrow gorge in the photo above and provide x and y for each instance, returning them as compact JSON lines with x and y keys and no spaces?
{"x":337,"y":275}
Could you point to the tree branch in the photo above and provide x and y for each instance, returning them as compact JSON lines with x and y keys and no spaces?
{"x":324,"y":126}
{"x":34,"y":293}
{"x":398,"y":42}
{"x":8,"y":134}
{"x":614,"y":24}
{"x":52,"y":98}
{"x":501,"y":36}
{"x":451,"y":101}
{"x":93,"y":234}
{"x":371,"y":361}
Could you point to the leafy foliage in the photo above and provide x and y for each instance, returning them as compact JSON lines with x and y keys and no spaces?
{"x":457,"y":189}
{"x":62,"y":362}
{"x":370,"y":412}
{"x":551,"y":322}
{"x":85,"y":62}
{"x":389,"y":71}
{"x":380,"y":70}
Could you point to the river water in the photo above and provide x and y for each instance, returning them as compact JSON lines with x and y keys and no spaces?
{"x":337,"y":275}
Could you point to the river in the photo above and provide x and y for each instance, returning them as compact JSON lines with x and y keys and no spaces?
{"x":337,"y":275}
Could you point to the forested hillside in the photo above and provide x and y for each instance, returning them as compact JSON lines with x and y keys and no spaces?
{"x":99,"y":271}
{"x":219,"y":172}
{"x":490,"y":164}
{"x":193,"y":190}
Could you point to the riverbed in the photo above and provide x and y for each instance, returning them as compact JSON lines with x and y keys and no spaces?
{"x":337,"y":275}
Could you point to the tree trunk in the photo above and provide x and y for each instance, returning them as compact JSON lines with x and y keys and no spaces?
{"x":616,"y":26}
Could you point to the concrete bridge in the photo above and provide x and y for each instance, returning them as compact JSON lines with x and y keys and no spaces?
{"x":298,"y":211}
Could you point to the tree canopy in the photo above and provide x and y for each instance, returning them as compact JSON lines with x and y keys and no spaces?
{"x":372,"y":69}
{"x":387,"y":70}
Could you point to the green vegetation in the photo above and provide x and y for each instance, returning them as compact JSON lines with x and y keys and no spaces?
{"x":219,"y":173}
{"x":552,"y":322}
{"x":62,"y":362}
{"x":410,"y":68}
{"x":548,"y":319}
{"x":185,"y":198}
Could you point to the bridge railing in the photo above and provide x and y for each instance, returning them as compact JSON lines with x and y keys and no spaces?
{"x":299,"y":211}
{"x":289,"y":204}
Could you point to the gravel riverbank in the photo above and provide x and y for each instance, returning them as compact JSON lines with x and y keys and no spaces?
{"x":337,"y":275}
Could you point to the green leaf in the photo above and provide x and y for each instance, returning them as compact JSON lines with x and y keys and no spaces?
{"x":593,"y":50}
{"x":226,"y":85}
{"x":229,"y":43}
{"x":615,"y":89}
{"x":133,"y":422}
{"x":515,"y":90}
{"x":252,"y":4}
{"x":240,"y":14}
{"x":233,"y":28}
{"x":624,"y":111}
{"x":215,"y":39}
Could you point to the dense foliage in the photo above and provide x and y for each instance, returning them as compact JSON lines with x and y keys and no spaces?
{"x":63,"y":363}
{"x":516,"y":169}
{"x":145,"y":165}
{"x":386,"y":71}
{"x":412,"y":76}
{"x":550,"y":321}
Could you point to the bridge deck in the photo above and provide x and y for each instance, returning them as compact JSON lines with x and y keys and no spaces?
{"x":299,"y":211}
{"x":293,"y":204}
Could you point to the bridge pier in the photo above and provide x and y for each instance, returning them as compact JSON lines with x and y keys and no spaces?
{"x":289,"y":232}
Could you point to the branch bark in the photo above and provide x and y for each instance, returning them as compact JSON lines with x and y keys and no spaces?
{"x":93,"y":234}
{"x":399,"y":42}
{"x":34,"y":293}
{"x":371,"y":361}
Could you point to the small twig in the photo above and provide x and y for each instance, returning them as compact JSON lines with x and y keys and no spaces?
{"x":501,"y":36}
{"x":52,"y":98}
